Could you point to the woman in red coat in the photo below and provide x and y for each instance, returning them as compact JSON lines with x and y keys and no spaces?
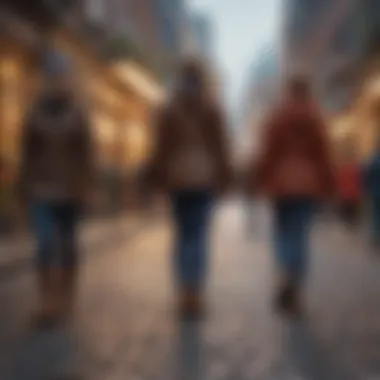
{"x":295,"y":172}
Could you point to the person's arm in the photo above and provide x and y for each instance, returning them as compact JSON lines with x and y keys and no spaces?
{"x":221,"y":140}
{"x":261,"y":164}
{"x":326,"y":160}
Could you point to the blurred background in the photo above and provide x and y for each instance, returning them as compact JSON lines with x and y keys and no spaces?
{"x":125,"y":54}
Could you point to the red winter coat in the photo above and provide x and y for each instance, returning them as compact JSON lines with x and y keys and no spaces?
{"x":295,"y":161}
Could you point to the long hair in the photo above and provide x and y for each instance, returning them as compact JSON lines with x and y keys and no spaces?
{"x":195,"y":70}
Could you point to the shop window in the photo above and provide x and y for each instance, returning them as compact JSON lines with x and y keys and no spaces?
{"x":137,"y":144}
{"x":105,"y":135}
{"x":10,"y":83}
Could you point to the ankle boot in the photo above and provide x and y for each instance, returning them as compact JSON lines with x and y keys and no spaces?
{"x":288,"y":299}
{"x":191,"y":304}
{"x":67,"y":290}
{"x":46,"y":313}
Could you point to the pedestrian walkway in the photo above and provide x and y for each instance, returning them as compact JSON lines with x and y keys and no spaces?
{"x":125,"y":326}
{"x":17,"y":249}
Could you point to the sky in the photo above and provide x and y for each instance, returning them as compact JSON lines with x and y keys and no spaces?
{"x":242,"y":28}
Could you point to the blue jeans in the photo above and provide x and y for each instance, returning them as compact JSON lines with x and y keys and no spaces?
{"x":51,"y":220}
{"x":293,"y":219}
{"x":192,"y":214}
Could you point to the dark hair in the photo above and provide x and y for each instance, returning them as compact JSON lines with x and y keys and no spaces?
{"x":193,"y":68}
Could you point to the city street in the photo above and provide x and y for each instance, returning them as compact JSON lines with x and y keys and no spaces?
{"x":125,"y":325}
{"x":17,"y":251}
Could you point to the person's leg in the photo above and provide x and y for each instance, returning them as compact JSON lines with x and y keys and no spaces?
{"x":191,"y":215}
{"x":180,"y":210}
{"x":43,"y":226}
{"x":303,"y":211}
{"x":199,"y":223}
{"x":67,"y":219}
{"x":183,"y":266}
{"x":292,"y":224}
{"x":281,"y":235}
{"x":301,"y":225}
{"x":283,"y":252}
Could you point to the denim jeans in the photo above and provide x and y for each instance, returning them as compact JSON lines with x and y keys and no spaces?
{"x":293,"y":219}
{"x":51,"y":220}
{"x":192,"y":214}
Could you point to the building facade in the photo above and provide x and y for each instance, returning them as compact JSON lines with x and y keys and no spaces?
{"x":262,"y":94}
{"x":132,"y":20}
{"x":171,"y":16}
{"x":201,"y":34}
{"x":335,"y":39}
{"x":119,"y":104}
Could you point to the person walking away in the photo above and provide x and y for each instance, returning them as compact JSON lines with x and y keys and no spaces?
{"x":191,"y":165}
{"x":56,"y":178}
{"x":350,"y":186}
{"x":372,"y":186}
{"x":295,"y":172}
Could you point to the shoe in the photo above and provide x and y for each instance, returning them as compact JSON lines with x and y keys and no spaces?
{"x":67,"y":291}
{"x":288,"y":300}
{"x":191,"y":305}
{"x":46,"y":314}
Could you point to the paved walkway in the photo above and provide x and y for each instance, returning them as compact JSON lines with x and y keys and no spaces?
{"x":20,"y":248}
{"x":125,"y":325}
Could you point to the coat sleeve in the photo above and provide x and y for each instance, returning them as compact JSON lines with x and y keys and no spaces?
{"x":325,"y":156}
{"x":222,"y":147}
{"x":262,"y":164}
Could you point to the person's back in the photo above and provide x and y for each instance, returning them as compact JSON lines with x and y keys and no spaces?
{"x":295,"y":173}
{"x":294,"y":162}
{"x":56,"y":178}
{"x":192,"y":150}
{"x":59,"y":161}
{"x":191,"y":165}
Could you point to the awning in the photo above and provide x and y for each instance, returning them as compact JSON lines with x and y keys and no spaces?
{"x":139,"y":80}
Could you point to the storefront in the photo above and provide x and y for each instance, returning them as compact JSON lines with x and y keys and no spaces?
{"x":119,"y":109}
{"x":121,"y":98}
{"x":358,"y":127}
{"x":13,"y":79}
{"x":14,"y":92}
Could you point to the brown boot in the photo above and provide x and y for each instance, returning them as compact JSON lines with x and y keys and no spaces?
{"x":191,"y":304}
{"x":288,"y":300}
{"x":67,"y":290}
{"x":46,"y":314}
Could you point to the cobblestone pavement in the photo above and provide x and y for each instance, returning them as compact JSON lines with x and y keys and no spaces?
{"x":19,"y":249}
{"x":125,"y":325}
